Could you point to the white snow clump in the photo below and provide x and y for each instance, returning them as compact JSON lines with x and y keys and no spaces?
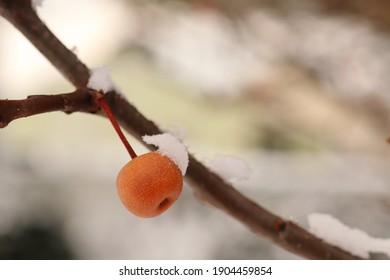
{"x":177,"y":130}
{"x":229,"y":167}
{"x":100,"y":79}
{"x":352,"y":240}
{"x":171,"y":147}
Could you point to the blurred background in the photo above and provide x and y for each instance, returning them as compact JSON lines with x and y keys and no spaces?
{"x":298,"y":89}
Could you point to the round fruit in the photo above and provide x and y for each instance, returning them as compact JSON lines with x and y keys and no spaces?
{"x":149,"y":184}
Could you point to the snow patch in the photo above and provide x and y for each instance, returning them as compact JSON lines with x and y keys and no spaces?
{"x":229,"y":167}
{"x":177,"y":130}
{"x":171,"y":147}
{"x":350,"y":239}
{"x":100,"y":80}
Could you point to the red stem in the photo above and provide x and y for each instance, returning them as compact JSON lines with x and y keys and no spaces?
{"x":107,"y":110}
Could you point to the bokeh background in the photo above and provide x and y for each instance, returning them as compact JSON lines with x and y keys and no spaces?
{"x":298,"y":89}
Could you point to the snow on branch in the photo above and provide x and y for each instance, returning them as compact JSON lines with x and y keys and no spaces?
{"x":171,"y":147}
{"x":350,"y":239}
{"x":100,"y":80}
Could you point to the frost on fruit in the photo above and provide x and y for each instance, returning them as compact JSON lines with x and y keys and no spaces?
{"x":352,"y":240}
{"x":229,"y":167}
{"x":100,"y":80}
{"x":171,"y":147}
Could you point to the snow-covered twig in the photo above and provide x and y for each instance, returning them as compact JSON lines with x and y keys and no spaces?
{"x":351,"y":239}
{"x":207,"y":185}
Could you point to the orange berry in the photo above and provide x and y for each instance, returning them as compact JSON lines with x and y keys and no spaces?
{"x":149,"y":184}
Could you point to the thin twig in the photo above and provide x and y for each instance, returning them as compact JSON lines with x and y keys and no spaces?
{"x":207,"y":186}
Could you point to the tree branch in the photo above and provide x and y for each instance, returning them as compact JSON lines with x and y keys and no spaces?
{"x":77,"y":101}
{"x":207,"y":186}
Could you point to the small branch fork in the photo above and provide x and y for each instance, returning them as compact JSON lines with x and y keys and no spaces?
{"x":207,"y":186}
